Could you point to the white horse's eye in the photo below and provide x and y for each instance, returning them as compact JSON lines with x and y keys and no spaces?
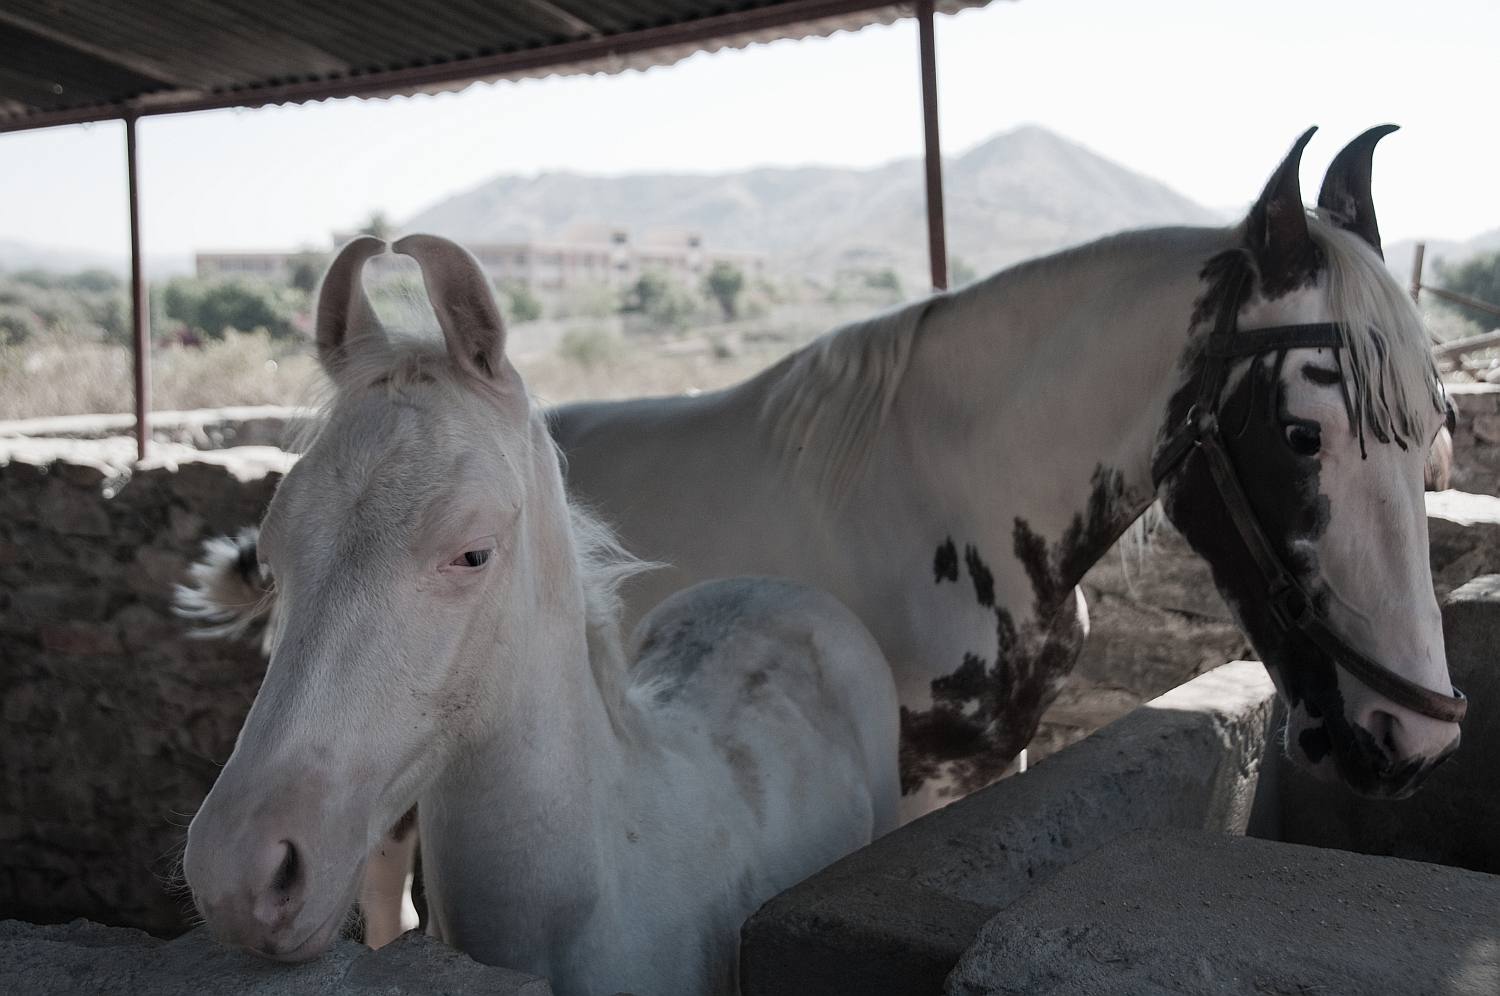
{"x":1304,"y":438}
{"x":471,"y":558}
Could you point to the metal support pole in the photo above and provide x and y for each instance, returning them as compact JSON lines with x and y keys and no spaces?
{"x":937,"y":243}
{"x":140,"y":305}
{"x":1416,"y":270}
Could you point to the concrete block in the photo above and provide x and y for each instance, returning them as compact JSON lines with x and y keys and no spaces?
{"x":1455,"y":817}
{"x":896,"y":916}
{"x":1182,"y":912}
{"x":1463,"y":533}
{"x":84,"y":957}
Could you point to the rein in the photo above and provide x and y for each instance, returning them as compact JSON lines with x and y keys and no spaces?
{"x":1291,"y":606}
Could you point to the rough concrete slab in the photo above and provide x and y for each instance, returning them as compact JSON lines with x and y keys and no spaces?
{"x":1160,"y":912}
{"x":84,"y":957}
{"x":1463,"y":531}
{"x":896,"y":916}
{"x":1455,"y":817}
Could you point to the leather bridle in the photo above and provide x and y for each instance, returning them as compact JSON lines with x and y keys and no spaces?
{"x":1291,"y":606}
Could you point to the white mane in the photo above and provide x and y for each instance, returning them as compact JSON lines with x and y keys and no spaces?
{"x":1387,"y":358}
{"x":826,"y":403}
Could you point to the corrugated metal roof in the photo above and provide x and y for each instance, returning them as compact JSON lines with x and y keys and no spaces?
{"x":67,"y":61}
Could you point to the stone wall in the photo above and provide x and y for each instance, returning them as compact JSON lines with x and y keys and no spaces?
{"x":113,"y":721}
{"x":1476,"y":444}
{"x":202,"y":429}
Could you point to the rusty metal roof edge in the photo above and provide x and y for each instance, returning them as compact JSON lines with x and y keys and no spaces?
{"x":642,"y":49}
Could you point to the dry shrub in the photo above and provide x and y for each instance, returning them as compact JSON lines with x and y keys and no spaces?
{"x":59,"y":373}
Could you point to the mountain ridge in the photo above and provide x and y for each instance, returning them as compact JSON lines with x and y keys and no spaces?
{"x":1016,"y":195}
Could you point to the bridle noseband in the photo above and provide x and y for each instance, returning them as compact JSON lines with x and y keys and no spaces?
{"x":1291,"y":606}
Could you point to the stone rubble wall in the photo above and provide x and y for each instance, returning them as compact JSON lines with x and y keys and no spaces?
{"x":201,"y":429}
{"x":113,"y":720}
{"x":1476,"y":444}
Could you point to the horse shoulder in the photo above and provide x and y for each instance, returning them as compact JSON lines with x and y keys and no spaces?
{"x":717,"y":643}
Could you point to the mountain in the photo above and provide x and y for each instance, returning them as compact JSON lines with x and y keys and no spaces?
{"x":1016,"y":195}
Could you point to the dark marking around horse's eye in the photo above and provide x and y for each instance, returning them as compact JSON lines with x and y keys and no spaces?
{"x":1305,"y":438}
{"x":1321,"y":375}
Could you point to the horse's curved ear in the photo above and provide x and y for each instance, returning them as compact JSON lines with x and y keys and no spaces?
{"x":1276,"y":229}
{"x":1346,"y":187}
{"x":344,"y":315}
{"x":460,"y":294}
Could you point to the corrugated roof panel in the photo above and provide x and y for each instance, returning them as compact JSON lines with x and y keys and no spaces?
{"x":79,"y":60}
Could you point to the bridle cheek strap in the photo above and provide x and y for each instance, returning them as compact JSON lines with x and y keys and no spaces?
{"x":1290,"y":604}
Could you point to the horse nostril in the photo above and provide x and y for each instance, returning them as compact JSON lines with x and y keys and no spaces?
{"x":289,"y":872}
{"x":1382,"y":727}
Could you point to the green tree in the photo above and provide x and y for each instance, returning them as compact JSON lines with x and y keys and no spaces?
{"x":306,"y":269}
{"x":92,"y":281}
{"x":724,"y":283}
{"x":522,"y":304}
{"x":17,"y":324}
{"x":1477,"y":277}
{"x":647,"y":291}
{"x":885,"y":280}
{"x":661,"y":299}
{"x":211,"y":307}
{"x":378,"y":225}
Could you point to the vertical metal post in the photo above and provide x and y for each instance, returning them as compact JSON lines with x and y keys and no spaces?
{"x":1416,"y":270}
{"x":140,"y":305}
{"x":937,"y":242}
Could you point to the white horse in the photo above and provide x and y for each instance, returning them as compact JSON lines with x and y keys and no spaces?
{"x":447,"y":631}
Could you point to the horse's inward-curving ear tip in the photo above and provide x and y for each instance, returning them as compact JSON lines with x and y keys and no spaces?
{"x":409,"y":245}
{"x":366,"y":246}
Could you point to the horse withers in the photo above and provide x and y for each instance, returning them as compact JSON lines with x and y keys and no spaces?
{"x":446,"y":632}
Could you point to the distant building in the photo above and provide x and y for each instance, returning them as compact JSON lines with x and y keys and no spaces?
{"x":585,"y":256}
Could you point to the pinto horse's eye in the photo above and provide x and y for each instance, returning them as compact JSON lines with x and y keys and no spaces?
{"x":471,"y":558}
{"x":1304,"y":438}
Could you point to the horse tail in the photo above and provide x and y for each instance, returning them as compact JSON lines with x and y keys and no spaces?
{"x":228,"y":593}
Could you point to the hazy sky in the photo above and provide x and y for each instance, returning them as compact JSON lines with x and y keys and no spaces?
{"x":1205,"y":95}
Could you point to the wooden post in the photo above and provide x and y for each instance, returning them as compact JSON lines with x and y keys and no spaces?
{"x":937,"y":247}
{"x":140,"y":305}
{"x":1416,"y":270}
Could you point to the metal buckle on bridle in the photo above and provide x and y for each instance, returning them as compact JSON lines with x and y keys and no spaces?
{"x":1289,"y":603}
{"x":1203,"y":423}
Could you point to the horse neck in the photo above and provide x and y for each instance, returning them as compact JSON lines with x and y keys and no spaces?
{"x":1039,"y":394}
{"x":512,"y":826}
